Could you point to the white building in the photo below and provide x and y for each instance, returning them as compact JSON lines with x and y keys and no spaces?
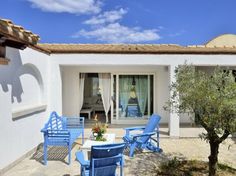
{"x":36,"y":79}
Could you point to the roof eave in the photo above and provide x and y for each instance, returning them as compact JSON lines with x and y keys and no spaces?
{"x":8,"y":40}
{"x":216,"y":52}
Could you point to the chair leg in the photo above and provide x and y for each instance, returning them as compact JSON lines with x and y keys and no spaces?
{"x":81,"y":171}
{"x":69,"y":154}
{"x":93,"y":174}
{"x":45,"y":153}
{"x":132,"y":148}
{"x":82,"y":137}
{"x":121,"y":166}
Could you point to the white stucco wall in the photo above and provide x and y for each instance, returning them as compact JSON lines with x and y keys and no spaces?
{"x":23,"y":89}
{"x":70,"y":92}
{"x":72,"y":64}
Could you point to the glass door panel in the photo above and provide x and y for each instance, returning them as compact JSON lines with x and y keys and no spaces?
{"x":135,"y":96}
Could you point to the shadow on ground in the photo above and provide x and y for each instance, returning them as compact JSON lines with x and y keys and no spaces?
{"x":146,"y":163}
{"x":56,"y":153}
{"x":143,"y":162}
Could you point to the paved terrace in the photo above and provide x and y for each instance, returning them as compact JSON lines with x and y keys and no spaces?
{"x":187,"y":146}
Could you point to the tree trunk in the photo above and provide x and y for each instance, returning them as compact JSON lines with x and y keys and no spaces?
{"x":213,"y":158}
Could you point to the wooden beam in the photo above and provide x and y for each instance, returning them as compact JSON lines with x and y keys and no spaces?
{"x":15,"y":44}
{"x":9,"y":40}
{"x":2,"y":51}
{"x":4,"y":61}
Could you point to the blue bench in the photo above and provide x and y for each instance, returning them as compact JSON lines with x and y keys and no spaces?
{"x":62,"y":131}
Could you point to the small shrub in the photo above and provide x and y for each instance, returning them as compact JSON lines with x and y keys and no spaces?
{"x":178,"y":167}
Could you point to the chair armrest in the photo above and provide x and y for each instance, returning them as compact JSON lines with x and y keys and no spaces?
{"x":143,"y":134}
{"x":135,"y":128}
{"x":127,"y":130}
{"x":80,"y":158}
{"x":58,"y":133}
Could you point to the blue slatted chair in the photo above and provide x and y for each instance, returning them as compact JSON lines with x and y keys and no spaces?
{"x":103,"y":161}
{"x":145,"y":139}
{"x":62,"y":131}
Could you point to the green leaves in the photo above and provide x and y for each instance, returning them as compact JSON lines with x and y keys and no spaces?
{"x":211,"y":95}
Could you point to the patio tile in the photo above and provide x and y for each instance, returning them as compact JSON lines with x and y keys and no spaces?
{"x":191,"y":148}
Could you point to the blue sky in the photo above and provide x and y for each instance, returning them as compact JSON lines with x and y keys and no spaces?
{"x":184,"y":22}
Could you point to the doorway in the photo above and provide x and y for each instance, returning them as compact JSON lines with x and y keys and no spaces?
{"x":92,"y":98}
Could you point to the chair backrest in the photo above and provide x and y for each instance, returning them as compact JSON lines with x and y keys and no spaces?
{"x":152,"y":124}
{"x":55,"y":122}
{"x":104,"y":159}
{"x":73,"y":122}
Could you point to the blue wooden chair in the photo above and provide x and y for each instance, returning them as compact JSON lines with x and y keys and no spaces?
{"x":62,"y":131}
{"x":144,"y":140}
{"x":103,"y":161}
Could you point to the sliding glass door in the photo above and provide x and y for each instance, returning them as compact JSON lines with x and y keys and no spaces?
{"x":134,"y":95}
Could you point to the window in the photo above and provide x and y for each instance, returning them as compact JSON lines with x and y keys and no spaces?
{"x":135,"y":96}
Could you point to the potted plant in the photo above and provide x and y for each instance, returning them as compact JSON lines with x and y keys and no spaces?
{"x":98,"y":130}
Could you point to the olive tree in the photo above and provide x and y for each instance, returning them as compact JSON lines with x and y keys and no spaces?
{"x":211,"y":98}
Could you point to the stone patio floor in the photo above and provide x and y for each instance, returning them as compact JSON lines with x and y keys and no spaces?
{"x":142,"y":164}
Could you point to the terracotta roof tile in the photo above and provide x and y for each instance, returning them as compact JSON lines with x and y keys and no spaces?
{"x":134,"y":48}
{"x":16,"y":36}
{"x":8,"y":29}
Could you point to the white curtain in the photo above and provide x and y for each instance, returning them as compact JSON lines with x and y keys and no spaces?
{"x":125,"y":84}
{"x":142,"y":92}
{"x":81,"y":90}
{"x":105,"y":88}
